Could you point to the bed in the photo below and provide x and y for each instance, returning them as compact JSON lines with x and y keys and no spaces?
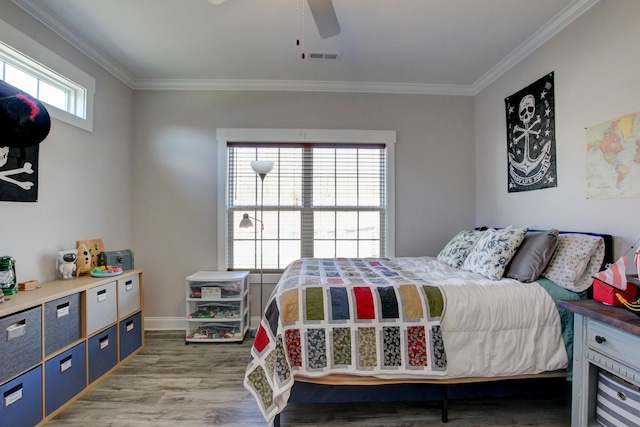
{"x":424,"y":328}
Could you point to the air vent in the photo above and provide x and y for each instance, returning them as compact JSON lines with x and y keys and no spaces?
{"x":323,"y":56}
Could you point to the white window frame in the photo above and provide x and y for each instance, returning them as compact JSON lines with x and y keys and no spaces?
{"x":35,"y":59}
{"x":225,"y":135}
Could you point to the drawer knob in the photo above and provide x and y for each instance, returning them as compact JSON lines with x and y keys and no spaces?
{"x":600,"y":339}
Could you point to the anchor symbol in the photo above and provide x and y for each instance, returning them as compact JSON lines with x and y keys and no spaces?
{"x":528,"y":163}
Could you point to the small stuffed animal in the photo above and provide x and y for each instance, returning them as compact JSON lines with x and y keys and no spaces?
{"x":83,"y":263}
{"x":67,"y":263}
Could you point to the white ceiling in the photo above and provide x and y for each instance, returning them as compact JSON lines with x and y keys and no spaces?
{"x":396,"y":46}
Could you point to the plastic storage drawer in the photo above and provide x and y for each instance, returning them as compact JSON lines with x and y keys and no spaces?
{"x":101,"y":307}
{"x":22,"y":400}
{"x":20,"y":342}
{"x":130,"y":335}
{"x":61,"y":323}
{"x":128,"y":295}
{"x":65,"y":375}
{"x":103,"y":353}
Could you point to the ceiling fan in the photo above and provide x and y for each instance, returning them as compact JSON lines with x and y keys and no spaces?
{"x":323,"y":14}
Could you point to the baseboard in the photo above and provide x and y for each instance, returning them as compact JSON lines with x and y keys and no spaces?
{"x":164,"y":323}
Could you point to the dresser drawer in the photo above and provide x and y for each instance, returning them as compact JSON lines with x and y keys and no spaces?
{"x":61,"y":323}
{"x":613,"y":342}
{"x":102,"y":309}
{"x":65,"y":375}
{"x":22,"y":400}
{"x":128,"y":295}
{"x":20,"y":342}
{"x":103,"y":354}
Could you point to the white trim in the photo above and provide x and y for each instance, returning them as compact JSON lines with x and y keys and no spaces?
{"x":224,"y":135}
{"x":34,"y":50}
{"x":165,"y":324}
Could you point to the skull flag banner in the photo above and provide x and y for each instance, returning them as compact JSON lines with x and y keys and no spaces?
{"x":24,"y":123}
{"x":531,"y":139}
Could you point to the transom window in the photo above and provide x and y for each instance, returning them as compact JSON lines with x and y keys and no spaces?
{"x":66,"y":91}
{"x":322,"y":199}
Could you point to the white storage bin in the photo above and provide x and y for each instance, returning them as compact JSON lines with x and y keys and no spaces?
{"x":101,"y":304}
{"x":618,"y":402}
{"x":128,"y":295}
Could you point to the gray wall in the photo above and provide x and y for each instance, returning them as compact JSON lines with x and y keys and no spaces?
{"x":596,"y":80}
{"x":85,"y":177}
{"x":175,"y":177}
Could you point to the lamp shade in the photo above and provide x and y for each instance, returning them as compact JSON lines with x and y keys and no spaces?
{"x":246,"y":221}
{"x":262,"y":167}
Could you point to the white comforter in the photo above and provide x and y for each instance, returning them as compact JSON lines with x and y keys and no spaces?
{"x":514,"y":331}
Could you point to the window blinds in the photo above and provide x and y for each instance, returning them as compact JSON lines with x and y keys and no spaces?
{"x":320,"y":200}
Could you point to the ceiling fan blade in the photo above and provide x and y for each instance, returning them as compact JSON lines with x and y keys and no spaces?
{"x":325,"y":16}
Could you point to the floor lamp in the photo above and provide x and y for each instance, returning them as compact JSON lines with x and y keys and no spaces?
{"x":262,"y":168}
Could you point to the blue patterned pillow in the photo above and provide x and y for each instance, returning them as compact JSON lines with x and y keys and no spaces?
{"x":491,"y":255}
{"x":456,"y":251}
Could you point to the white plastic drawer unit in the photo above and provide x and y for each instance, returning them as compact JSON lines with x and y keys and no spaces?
{"x":20,"y":342}
{"x":102,"y":308}
{"x":128,"y":295}
{"x":217,"y":286}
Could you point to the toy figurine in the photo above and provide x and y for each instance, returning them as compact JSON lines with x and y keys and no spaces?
{"x":67,"y":263}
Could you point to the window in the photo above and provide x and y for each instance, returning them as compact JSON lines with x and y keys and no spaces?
{"x":67,"y":92}
{"x":322,"y":199}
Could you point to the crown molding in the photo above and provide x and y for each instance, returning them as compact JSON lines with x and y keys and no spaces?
{"x":558,"y":23}
{"x":303,"y":86}
{"x":553,"y":27}
{"x":57,"y":26}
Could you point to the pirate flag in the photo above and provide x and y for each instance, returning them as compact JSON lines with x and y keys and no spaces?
{"x":24,"y":123}
{"x":531,"y":139}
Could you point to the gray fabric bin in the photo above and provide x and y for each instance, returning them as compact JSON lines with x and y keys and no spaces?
{"x":61,"y":323}
{"x":20,"y":342}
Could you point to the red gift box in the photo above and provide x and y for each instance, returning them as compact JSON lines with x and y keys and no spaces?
{"x":606,"y":293}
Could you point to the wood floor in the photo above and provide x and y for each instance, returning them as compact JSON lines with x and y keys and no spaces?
{"x":177,"y":385}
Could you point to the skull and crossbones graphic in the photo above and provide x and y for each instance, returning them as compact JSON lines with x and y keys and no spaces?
{"x":526,"y":112}
{"x":5,"y":174}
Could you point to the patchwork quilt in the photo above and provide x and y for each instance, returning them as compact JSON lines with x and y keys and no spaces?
{"x":353,"y":316}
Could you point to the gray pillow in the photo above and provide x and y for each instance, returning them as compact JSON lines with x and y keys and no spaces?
{"x":532,"y":257}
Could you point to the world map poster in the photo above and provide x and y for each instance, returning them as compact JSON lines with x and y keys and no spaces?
{"x":531,"y":139}
{"x":613,"y":158}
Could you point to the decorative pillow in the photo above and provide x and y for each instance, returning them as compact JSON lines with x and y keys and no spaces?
{"x":594,"y":265}
{"x":456,"y":251}
{"x":493,"y":252}
{"x":570,"y":260}
{"x":532,"y":257}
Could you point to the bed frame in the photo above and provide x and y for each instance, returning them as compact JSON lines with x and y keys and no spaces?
{"x":552,"y":384}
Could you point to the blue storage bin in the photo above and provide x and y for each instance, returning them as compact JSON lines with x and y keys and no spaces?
{"x":22,"y":400}
{"x":103,"y":353}
{"x":65,"y":375}
{"x":130,"y":335}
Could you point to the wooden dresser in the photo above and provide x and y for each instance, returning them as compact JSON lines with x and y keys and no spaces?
{"x":606,"y":338}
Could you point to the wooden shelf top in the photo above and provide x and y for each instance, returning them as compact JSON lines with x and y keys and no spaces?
{"x":619,"y":317}
{"x":55,"y":289}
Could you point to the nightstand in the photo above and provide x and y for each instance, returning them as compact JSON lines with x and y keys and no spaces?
{"x":606,"y":338}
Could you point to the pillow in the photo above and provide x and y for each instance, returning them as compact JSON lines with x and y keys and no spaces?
{"x":532,"y":257}
{"x":493,"y":252}
{"x":595,"y":265}
{"x":455,"y":252}
{"x":570,"y":260}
